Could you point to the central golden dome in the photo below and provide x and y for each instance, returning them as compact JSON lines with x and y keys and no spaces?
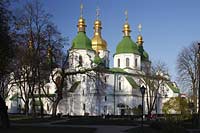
{"x":98,"y":43}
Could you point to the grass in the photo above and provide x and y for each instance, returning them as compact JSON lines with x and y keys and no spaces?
{"x":29,"y":129}
{"x":29,"y":119}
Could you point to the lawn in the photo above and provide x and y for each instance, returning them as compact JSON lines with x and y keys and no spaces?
{"x":29,"y":119}
{"x":29,"y":129}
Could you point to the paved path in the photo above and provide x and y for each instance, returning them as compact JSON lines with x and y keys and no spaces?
{"x":193,"y":130}
{"x":99,"y":128}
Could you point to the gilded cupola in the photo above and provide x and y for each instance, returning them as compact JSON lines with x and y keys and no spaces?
{"x":98,"y":43}
{"x":139,"y":37}
{"x":30,"y":42}
{"x":143,"y":53}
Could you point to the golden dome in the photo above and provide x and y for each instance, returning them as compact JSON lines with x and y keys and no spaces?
{"x":126,"y":29}
{"x":97,"y":41}
{"x":81,"y":24}
{"x":49,"y":52}
{"x":30,"y":45}
{"x":97,"y":23}
{"x":140,"y":40}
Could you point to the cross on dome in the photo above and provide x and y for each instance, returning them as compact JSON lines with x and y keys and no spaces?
{"x":97,"y":13}
{"x":140,"y":28}
{"x":126,"y":14}
{"x":81,"y":10}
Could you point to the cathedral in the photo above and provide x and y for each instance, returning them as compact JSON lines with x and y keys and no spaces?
{"x":115,"y":91}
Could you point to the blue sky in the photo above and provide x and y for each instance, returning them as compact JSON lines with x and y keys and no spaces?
{"x":168,"y":25}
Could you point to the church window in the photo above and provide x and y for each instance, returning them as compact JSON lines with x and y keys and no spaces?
{"x":80,"y":60}
{"x":105,"y":98}
{"x":84,"y":106}
{"x":83,"y":78}
{"x":105,"y":79}
{"x":83,"y":92}
{"x":127,"y":62}
{"x":120,"y":84}
{"x":136,"y":62}
{"x":118,"y":62}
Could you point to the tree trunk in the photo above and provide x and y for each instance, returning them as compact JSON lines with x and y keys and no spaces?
{"x":55,"y":105}
{"x":26,"y":107}
{"x":33,"y":111}
{"x":4,"y":114}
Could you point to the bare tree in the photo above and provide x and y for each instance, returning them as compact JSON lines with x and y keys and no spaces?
{"x":33,"y":31}
{"x":158,"y":70}
{"x":187,"y":70}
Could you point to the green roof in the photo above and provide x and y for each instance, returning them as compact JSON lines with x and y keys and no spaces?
{"x":74,"y":86}
{"x":143,"y":53}
{"x":38,"y":103}
{"x":173,"y":88}
{"x":98,"y":60}
{"x":14,"y":97}
{"x":127,"y":46}
{"x":116,"y":70}
{"x":132,"y":82}
{"x":81,"y":41}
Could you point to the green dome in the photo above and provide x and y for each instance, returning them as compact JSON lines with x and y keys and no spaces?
{"x":81,"y":41}
{"x":143,"y":53}
{"x":127,"y":46}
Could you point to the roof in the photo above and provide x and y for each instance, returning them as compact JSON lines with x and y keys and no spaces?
{"x":132,"y":82}
{"x":173,"y":88}
{"x":143,"y":53}
{"x":98,"y":60}
{"x":74,"y":86}
{"x":14,"y":97}
{"x":116,"y":69}
{"x":81,"y":41}
{"x":126,"y":45}
{"x":129,"y":79}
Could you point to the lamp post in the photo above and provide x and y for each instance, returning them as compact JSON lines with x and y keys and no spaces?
{"x":142,"y":90}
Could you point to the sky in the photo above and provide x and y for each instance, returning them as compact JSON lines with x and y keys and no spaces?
{"x":167,"y":25}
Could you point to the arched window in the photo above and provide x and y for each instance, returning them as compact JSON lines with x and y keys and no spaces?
{"x":136,"y":62}
{"x":118,"y":62}
{"x":83,"y":106}
{"x":80,"y":60}
{"x":119,"y":83}
{"x":127,"y":62}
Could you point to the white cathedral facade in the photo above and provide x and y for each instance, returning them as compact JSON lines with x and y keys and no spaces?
{"x":103,"y":93}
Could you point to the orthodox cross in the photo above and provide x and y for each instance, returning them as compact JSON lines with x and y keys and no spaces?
{"x":140,"y":28}
{"x":81,"y":8}
{"x":126,"y":14}
{"x":97,"y":13}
